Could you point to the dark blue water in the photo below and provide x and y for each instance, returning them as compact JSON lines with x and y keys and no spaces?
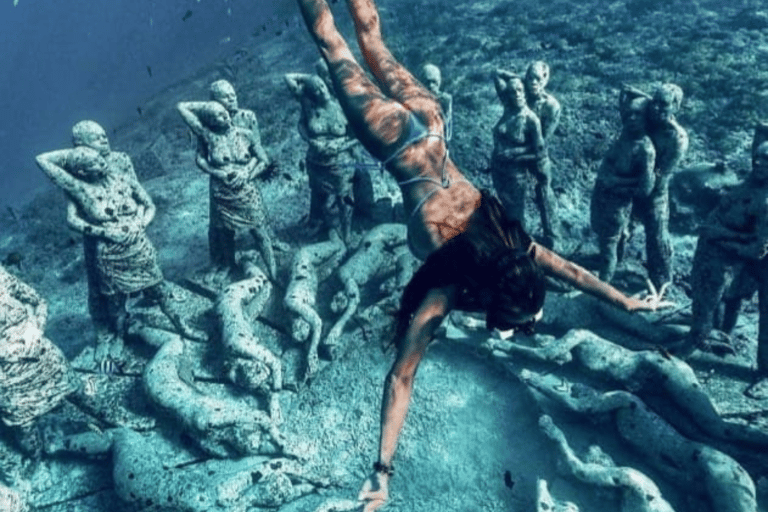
{"x":67,"y":60}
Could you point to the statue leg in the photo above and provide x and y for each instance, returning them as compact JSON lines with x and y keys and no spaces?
{"x":609,"y":217}
{"x":545,"y":200}
{"x":658,"y":246}
{"x":511,"y":186}
{"x":709,"y":276}
{"x":263,"y":238}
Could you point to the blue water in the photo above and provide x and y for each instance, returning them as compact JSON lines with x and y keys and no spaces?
{"x":67,"y":60}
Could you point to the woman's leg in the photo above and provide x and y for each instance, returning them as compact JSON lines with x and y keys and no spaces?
{"x":378,"y":121}
{"x":395,"y":80}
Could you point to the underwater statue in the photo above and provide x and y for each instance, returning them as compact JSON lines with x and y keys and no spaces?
{"x":146,"y":475}
{"x":670,"y":141}
{"x":328,"y":161}
{"x":108,"y":205}
{"x":248,"y":363}
{"x":12,"y":501}
{"x":545,"y":502}
{"x":637,"y":492}
{"x":476,"y":258}
{"x":311,"y":265}
{"x":520,"y":157}
{"x":382,"y":252}
{"x":433,"y":80}
{"x":624,"y":183}
{"x":222,"y":426}
{"x":664,"y":382}
{"x":542,"y":103}
{"x":34,"y":374}
{"x":733,"y":240}
{"x":706,"y":474}
{"x":230,"y":152}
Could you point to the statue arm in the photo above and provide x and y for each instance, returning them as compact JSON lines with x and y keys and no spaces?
{"x":500,"y":78}
{"x":644,"y":165}
{"x":295,"y":83}
{"x":555,"y":110}
{"x":188,"y":111}
{"x":76,"y":222}
{"x":53,"y":165}
{"x":204,"y":166}
{"x":145,"y":201}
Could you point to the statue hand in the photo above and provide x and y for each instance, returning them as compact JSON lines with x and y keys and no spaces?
{"x":651,"y":300}
{"x":375,"y":492}
{"x":238,"y":176}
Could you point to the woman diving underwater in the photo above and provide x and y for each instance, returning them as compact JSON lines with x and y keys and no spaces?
{"x":476,"y":259}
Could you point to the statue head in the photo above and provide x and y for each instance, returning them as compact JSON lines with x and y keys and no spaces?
{"x":665,"y":103}
{"x":223,"y":92}
{"x":536,"y":78}
{"x":511,"y":90}
{"x":633,"y":109}
{"x":316,"y":89}
{"x":86,"y":162}
{"x":300,"y":329}
{"x":90,"y":134}
{"x":215,"y":116}
{"x":432,"y":77}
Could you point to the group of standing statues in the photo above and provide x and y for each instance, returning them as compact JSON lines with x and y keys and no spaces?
{"x":109,"y":207}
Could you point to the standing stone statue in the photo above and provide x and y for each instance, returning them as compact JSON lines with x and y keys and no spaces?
{"x":543,"y":104}
{"x":519,"y":157}
{"x":433,"y":79}
{"x":330,"y":170}
{"x":107,"y":204}
{"x":734,"y":240}
{"x":34,"y":374}
{"x":230,"y":151}
{"x":626,"y":176}
{"x":671,"y":143}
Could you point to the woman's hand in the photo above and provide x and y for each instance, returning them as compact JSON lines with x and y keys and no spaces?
{"x":375,"y":491}
{"x":652,"y":300}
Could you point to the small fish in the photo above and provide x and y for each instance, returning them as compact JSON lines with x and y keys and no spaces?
{"x":287,"y":176}
{"x":187,"y":15}
{"x":95,"y":428}
{"x":138,"y":109}
{"x":225,"y":40}
{"x":279,"y":33}
{"x":89,"y":387}
{"x":12,"y":213}
{"x":508,"y":479}
{"x":149,"y":71}
{"x":109,"y":366}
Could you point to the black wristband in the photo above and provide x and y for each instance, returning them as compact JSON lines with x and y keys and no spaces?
{"x":380,"y":467}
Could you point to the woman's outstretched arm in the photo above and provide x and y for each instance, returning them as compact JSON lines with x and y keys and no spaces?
{"x":398,"y":388}
{"x":583,"y":280}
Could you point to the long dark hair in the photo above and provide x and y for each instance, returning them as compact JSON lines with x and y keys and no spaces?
{"x":491,"y":263}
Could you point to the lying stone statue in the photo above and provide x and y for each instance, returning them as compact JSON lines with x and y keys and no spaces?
{"x":704,"y":472}
{"x":311,"y":265}
{"x":248,"y":363}
{"x":222,"y":426}
{"x":638,"y":493}
{"x":382,"y":251}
